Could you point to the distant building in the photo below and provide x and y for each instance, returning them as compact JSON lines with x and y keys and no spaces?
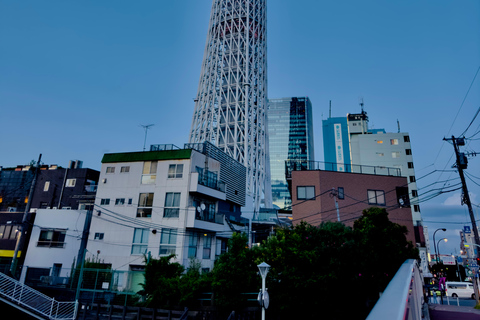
{"x":290,"y":134}
{"x":167,"y":201}
{"x":317,"y":193}
{"x":348,"y":144}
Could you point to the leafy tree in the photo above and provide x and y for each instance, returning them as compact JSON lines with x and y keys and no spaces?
{"x":383,"y":248}
{"x":234,"y":274}
{"x":310,"y":269}
{"x":162,"y":279}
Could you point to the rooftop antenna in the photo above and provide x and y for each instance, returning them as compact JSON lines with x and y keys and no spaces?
{"x":361,"y":104}
{"x":146,"y":127}
{"x":398,"y":125}
{"x":330,"y":110}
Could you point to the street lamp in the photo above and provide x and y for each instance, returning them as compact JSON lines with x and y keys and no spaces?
{"x":434,"y":243}
{"x":264,"y":300}
{"x":438,"y":244}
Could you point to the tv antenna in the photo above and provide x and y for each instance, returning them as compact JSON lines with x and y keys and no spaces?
{"x":146,"y":127}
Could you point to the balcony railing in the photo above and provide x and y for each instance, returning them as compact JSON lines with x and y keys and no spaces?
{"x":208,"y":180}
{"x":304,"y":165}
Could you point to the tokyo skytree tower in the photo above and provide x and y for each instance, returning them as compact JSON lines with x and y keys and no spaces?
{"x":231,"y":103}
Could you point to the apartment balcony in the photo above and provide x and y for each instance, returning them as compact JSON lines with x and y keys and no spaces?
{"x":199,"y":183}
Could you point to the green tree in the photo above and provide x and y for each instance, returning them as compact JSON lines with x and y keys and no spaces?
{"x":162,"y":282}
{"x":234,"y":274}
{"x":383,"y":248}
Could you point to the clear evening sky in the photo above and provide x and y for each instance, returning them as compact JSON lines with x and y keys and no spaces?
{"x":78,"y":78}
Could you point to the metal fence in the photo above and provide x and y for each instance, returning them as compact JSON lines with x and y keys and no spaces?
{"x":37,"y":302}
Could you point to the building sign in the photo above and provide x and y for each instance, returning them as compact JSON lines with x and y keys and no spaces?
{"x":446,"y":259}
{"x":466,"y":229}
{"x":339,"y":147}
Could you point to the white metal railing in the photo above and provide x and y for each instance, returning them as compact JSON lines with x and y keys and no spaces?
{"x":403,"y":298}
{"x":35,"y":301}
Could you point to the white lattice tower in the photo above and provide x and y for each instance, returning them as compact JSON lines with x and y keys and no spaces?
{"x":230,"y":108}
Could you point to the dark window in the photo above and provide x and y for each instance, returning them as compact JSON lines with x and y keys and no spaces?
{"x":412,"y":179}
{"x":416,"y":208}
{"x":406,"y":138}
{"x":99,"y":236}
{"x":410,"y":165}
{"x":104,"y":202}
{"x":52,"y":238}
{"x":341,"y":193}
{"x":408,"y":152}
{"x":172,"y":205}
{"x":402,"y":196}
{"x":414,"y":193}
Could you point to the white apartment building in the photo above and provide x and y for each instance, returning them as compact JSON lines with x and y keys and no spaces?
{"x":166,"y":201}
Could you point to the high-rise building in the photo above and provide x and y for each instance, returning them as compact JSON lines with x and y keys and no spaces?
{"x":290,"y":132}
{"x":231,"y":103}
{"x":349,"y":144}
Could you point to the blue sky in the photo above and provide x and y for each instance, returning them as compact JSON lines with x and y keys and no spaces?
{"x":78,"y":78}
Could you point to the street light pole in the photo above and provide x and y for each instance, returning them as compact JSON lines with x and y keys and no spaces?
{"x":434,"y":243}
{"x":263,"y":267}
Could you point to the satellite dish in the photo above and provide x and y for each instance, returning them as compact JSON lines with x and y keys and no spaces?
{"x":199,"y":209}
{"x":202,"y":206}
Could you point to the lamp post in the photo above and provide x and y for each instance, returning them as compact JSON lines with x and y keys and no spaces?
{"x":434,"y":243}
{"x":438,"y":245}
{"x":263,"y":267}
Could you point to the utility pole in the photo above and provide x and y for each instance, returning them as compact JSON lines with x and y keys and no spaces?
{"x":460,"y":165}
{"x":20,"y":237}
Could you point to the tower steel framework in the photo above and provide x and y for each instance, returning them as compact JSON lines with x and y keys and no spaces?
{"x":231,"y":103}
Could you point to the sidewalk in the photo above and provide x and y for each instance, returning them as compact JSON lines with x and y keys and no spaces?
{"x":446,"y":312}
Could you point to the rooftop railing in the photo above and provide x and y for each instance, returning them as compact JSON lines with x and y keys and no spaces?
{"x":304,"y":165}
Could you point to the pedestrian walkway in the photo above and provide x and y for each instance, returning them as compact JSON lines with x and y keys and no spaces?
{"x":449,"y":312}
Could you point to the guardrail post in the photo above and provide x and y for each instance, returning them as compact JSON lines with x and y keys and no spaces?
{"x":51,"y":307}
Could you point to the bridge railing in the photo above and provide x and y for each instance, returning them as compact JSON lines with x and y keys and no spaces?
{"x":31,"y":299}
{"x":403,"y":298}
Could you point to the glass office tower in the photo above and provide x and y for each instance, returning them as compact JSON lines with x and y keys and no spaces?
{"x":290,"y":132}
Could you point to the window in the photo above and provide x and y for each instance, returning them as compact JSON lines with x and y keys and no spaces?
{"x":406,"y":138}
{"x":414,"y":193}
{"x":192,"y":245}
{"x":120,"y":201}
{"x":408,"y":152}
{"x":125,"y":169}
{"x":8,"y":231}
{"x":172,"y":205}
{"x":104,"y":202}
{"x":175,"y":171}
{"x":379,"y":141}
{"x":376,"y":197}
{"x":98,"y":236}
{"x":380,"y":154}
{"x":306,"y":193}
{"x":149,"y":172}
{"x":110,"y":169}
{"x":410,"y":165}
{"x":130,"y":201}
{"x":416,"y":208}
{"x":395,"y":154}
{"x":140,"y":241}
{"x":412,"y":179}
{"x":70,"y":183}
{"x":341,"y":193}
{"x":394,"y":141}
{"x":204,"y":210}
{"x":207,"y":246}
{"x":168,"y":241}
{"x":145,"y":203}
{"x":46,"y":186}
{"x":52,"y":238}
